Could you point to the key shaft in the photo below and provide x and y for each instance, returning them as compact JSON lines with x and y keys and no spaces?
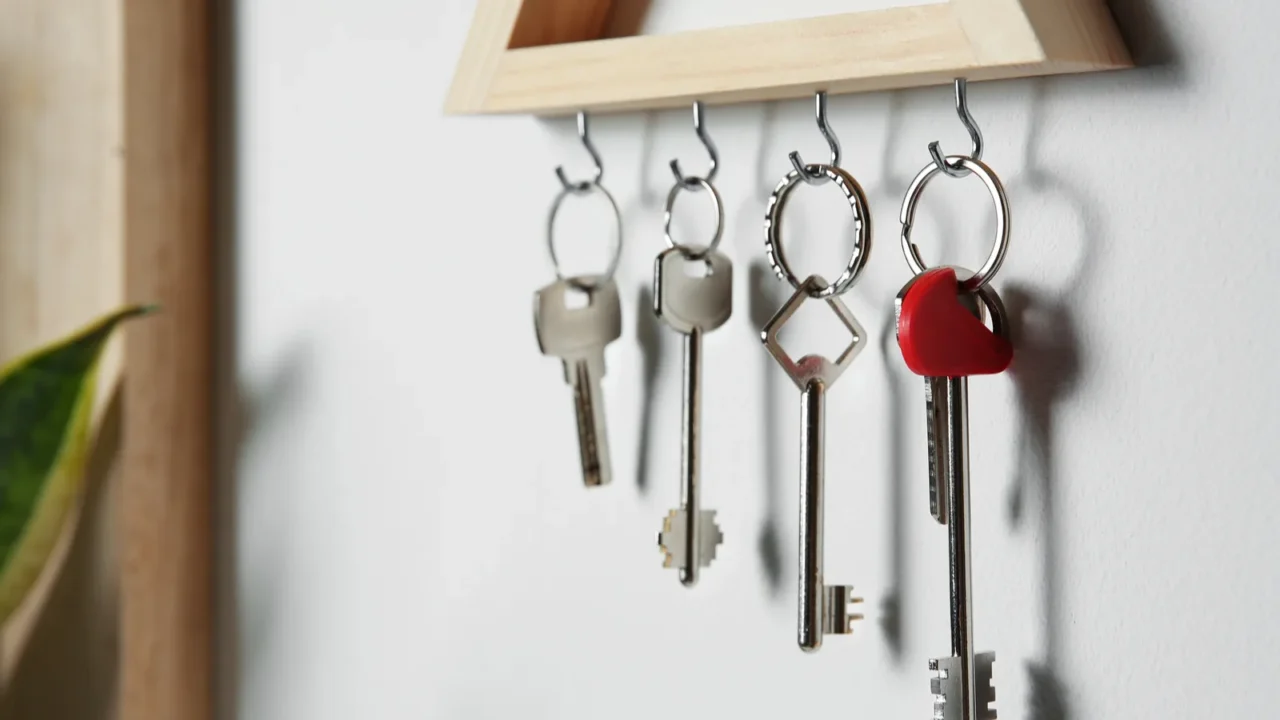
{"x":690,"y":456}
{"x":958,"y":536}
{"x":812,"y":467}
{"x":584,"y":375}
{"x":936,"y":410}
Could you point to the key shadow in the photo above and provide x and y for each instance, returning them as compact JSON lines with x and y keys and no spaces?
{"x":649,"y":334}
{"x":650,"y":338}
{"x":766,"y":297}
{"x":1047,"y":364}
{"x":1045,"y":369}
{"x":891,"y":609}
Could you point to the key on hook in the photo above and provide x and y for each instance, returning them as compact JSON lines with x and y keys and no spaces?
{"x":943,"y":338}
{"x":578,"y":337}
{"x":824,"y":609}
{"x":692,"y":306}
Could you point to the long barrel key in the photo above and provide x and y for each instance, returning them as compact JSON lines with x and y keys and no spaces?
{"x":691,"y":305}
{"x":823,"y":609}
{"x":578,"y":336}
{"x":942,"y":336}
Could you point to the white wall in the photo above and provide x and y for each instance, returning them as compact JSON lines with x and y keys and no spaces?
{"x":411,"y":536}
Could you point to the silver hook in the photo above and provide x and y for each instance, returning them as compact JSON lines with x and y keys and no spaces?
{"x":817,"y":178}
{"x":975,"y":135}
{"x":701,"y":130}
{"x":585,"y":185}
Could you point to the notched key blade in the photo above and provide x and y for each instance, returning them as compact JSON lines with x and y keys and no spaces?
{"x":838,"y":614}
{"x":946,"y":687}
{"x":674,"y":538}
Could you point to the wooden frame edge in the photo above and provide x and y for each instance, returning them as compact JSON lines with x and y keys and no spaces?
{"x":166,"y":494}
{"x":851,"y":52}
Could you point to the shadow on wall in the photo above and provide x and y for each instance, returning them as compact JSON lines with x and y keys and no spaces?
{"x":68,"y":669}
{"x":1048,"y":360}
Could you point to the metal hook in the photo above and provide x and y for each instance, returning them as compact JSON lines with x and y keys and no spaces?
{"x":701,"y":130}
{"x":975,"y":135}
{"x":817,"y":178}
{"x":584,"y":135}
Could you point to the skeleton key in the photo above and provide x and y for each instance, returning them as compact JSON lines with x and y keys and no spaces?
{"x":578,"y":336}
{"x":692,"y":306}
{"x":823,"y":609}
{"x":943,"y":338}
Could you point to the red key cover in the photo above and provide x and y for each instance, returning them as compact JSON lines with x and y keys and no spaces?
{"x":940,"y":338}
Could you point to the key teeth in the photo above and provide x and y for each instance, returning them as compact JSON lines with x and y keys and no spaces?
{"x":838,"y":602}
{"x":668,"y":536}
{"x":946,"y":683}
{"x":672,"y":538}
{"x":711,"y":538}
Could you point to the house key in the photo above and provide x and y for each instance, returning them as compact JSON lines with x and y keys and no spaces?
{"x":943,"y":337}
{"x":692,"y":306}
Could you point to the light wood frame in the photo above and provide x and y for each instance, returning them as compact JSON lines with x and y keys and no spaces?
{"x":553,"y":57}
{"x":105,"y":199}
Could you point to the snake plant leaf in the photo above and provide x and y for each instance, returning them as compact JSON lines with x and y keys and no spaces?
{"x":46,"y":403}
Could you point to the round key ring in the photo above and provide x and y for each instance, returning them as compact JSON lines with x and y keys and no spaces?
{"x":585,"y":187}
{"x":716,"y":205}
{"x":862,"y":228}
{"x":998,"y":197}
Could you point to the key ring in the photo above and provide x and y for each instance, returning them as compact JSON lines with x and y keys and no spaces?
{"x":718,"y":207}
{"x":586,"y":187}
{"x":862,"y":227}
{"x":693,"y":182}
{"x":998,"y":197}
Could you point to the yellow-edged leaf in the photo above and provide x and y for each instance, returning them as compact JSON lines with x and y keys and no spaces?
{"x":46,"y":402}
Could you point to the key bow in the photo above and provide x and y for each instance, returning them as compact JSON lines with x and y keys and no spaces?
{"x":939,"y":337}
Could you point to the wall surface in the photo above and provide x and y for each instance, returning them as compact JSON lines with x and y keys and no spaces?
{"x":411,"y":538}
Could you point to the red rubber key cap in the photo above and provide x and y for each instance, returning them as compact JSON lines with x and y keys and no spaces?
{"x":939,"y":337}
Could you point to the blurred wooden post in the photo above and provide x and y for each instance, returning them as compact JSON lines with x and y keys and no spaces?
{"x":167,"y":548}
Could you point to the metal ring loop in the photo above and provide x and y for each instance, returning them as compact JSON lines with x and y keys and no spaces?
{"x":693,"y":183}
{"x":1003,"y":221}
{"x":862,"y":221}
{"x":585,"y":282}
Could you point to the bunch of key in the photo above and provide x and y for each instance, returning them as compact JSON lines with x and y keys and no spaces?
{"x":578,"y":336}
{"x":691,"y":304}
{"x":943,"y":336}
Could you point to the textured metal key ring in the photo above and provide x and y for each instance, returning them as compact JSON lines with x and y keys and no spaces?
{"x":862,"y":227}
{"x":998,"y":197}
{"x":586,"y":187}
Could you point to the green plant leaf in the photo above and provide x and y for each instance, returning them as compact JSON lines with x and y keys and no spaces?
{"x":46,"y":403}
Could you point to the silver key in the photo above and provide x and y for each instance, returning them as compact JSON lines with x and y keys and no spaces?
{"x":578,"y":336}
{"x":823,"y":609}
{"x":937,"y":410}
{"x":963,"y":688}
{"x":692,"y":306}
